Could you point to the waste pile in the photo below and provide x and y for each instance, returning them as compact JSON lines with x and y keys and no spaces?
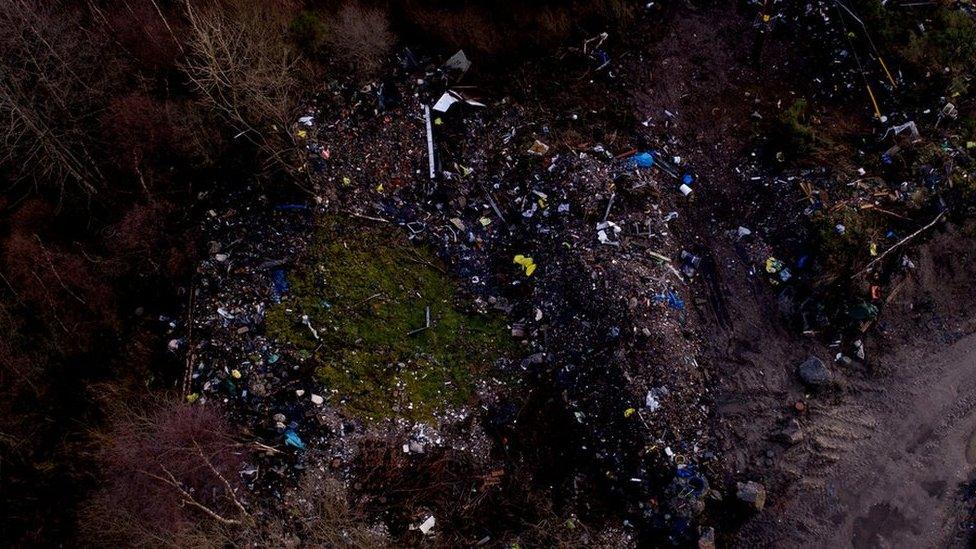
{"x":559,"y":230}
{"x":568,"y":243}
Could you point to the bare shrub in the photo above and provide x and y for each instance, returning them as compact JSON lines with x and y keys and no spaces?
{"x":170,"y":478}
{"x":145,"y":133}
{"x":360,"y":37}
{"x":67,"y":293}
{"x":320,"y":515}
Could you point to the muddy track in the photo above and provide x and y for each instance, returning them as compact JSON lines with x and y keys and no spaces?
{"x":884,"y":467}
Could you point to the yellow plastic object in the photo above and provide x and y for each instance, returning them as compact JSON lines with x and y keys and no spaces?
{"x":526,"y":263}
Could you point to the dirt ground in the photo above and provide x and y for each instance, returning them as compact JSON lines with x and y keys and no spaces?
{"x":885,"y":461}
{"x":885,"y":457}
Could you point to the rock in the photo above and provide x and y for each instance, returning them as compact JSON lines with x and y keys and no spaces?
{"x":257,"y":387}
{"x":751,"y":493}
{"x":317,"y":400}
{"x":814,"y":373}
{"x":791,"y":434}
{"x":416,"y":447}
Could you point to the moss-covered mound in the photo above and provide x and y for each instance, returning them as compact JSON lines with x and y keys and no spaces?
{"x":366,"y":293}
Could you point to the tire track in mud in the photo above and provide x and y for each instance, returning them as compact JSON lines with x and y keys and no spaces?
{"x":884,"y":467}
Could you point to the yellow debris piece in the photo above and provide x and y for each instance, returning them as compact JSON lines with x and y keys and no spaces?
{"x":526,"y":263}
{"x":192,"y":397}
{"x":236,"y":374}
{"x":629,"y":412}
{"x":302,"y":134}
{"x":874,"y":249}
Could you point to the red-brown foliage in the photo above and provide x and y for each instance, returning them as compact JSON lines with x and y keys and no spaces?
{"x":148,"y":137}
{"x":143,"y":33}
{"x":190,"y":442}
{"x":71,"y":293}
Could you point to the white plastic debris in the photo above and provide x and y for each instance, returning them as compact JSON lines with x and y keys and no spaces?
{"x":652,"y":402}
{"x":606,"y":232}
{"x":308,"y":323}
{"x":427,"y":525}
{"x":459,"y":62}
{"x":450,"y":97}
{"x":445,"y":102}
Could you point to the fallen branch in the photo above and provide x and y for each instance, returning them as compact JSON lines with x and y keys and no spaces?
{"x":227,"y":486}
{"x":189,"y":499}
{"x":188,"y":367}
{"x":898,"y":244}
{"x":265,"y":447}
{"x":369,"y":217}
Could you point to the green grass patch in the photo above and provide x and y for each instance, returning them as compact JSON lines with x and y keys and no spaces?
{"x":365,"y":290}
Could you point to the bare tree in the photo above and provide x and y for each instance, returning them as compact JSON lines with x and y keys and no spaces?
{"x":239,"y":61}
{"x":48,"y":91}
{"x":360,"y":36}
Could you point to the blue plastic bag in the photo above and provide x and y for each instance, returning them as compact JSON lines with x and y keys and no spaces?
{"x":642,"y":160}
{"x":292,"y":439}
